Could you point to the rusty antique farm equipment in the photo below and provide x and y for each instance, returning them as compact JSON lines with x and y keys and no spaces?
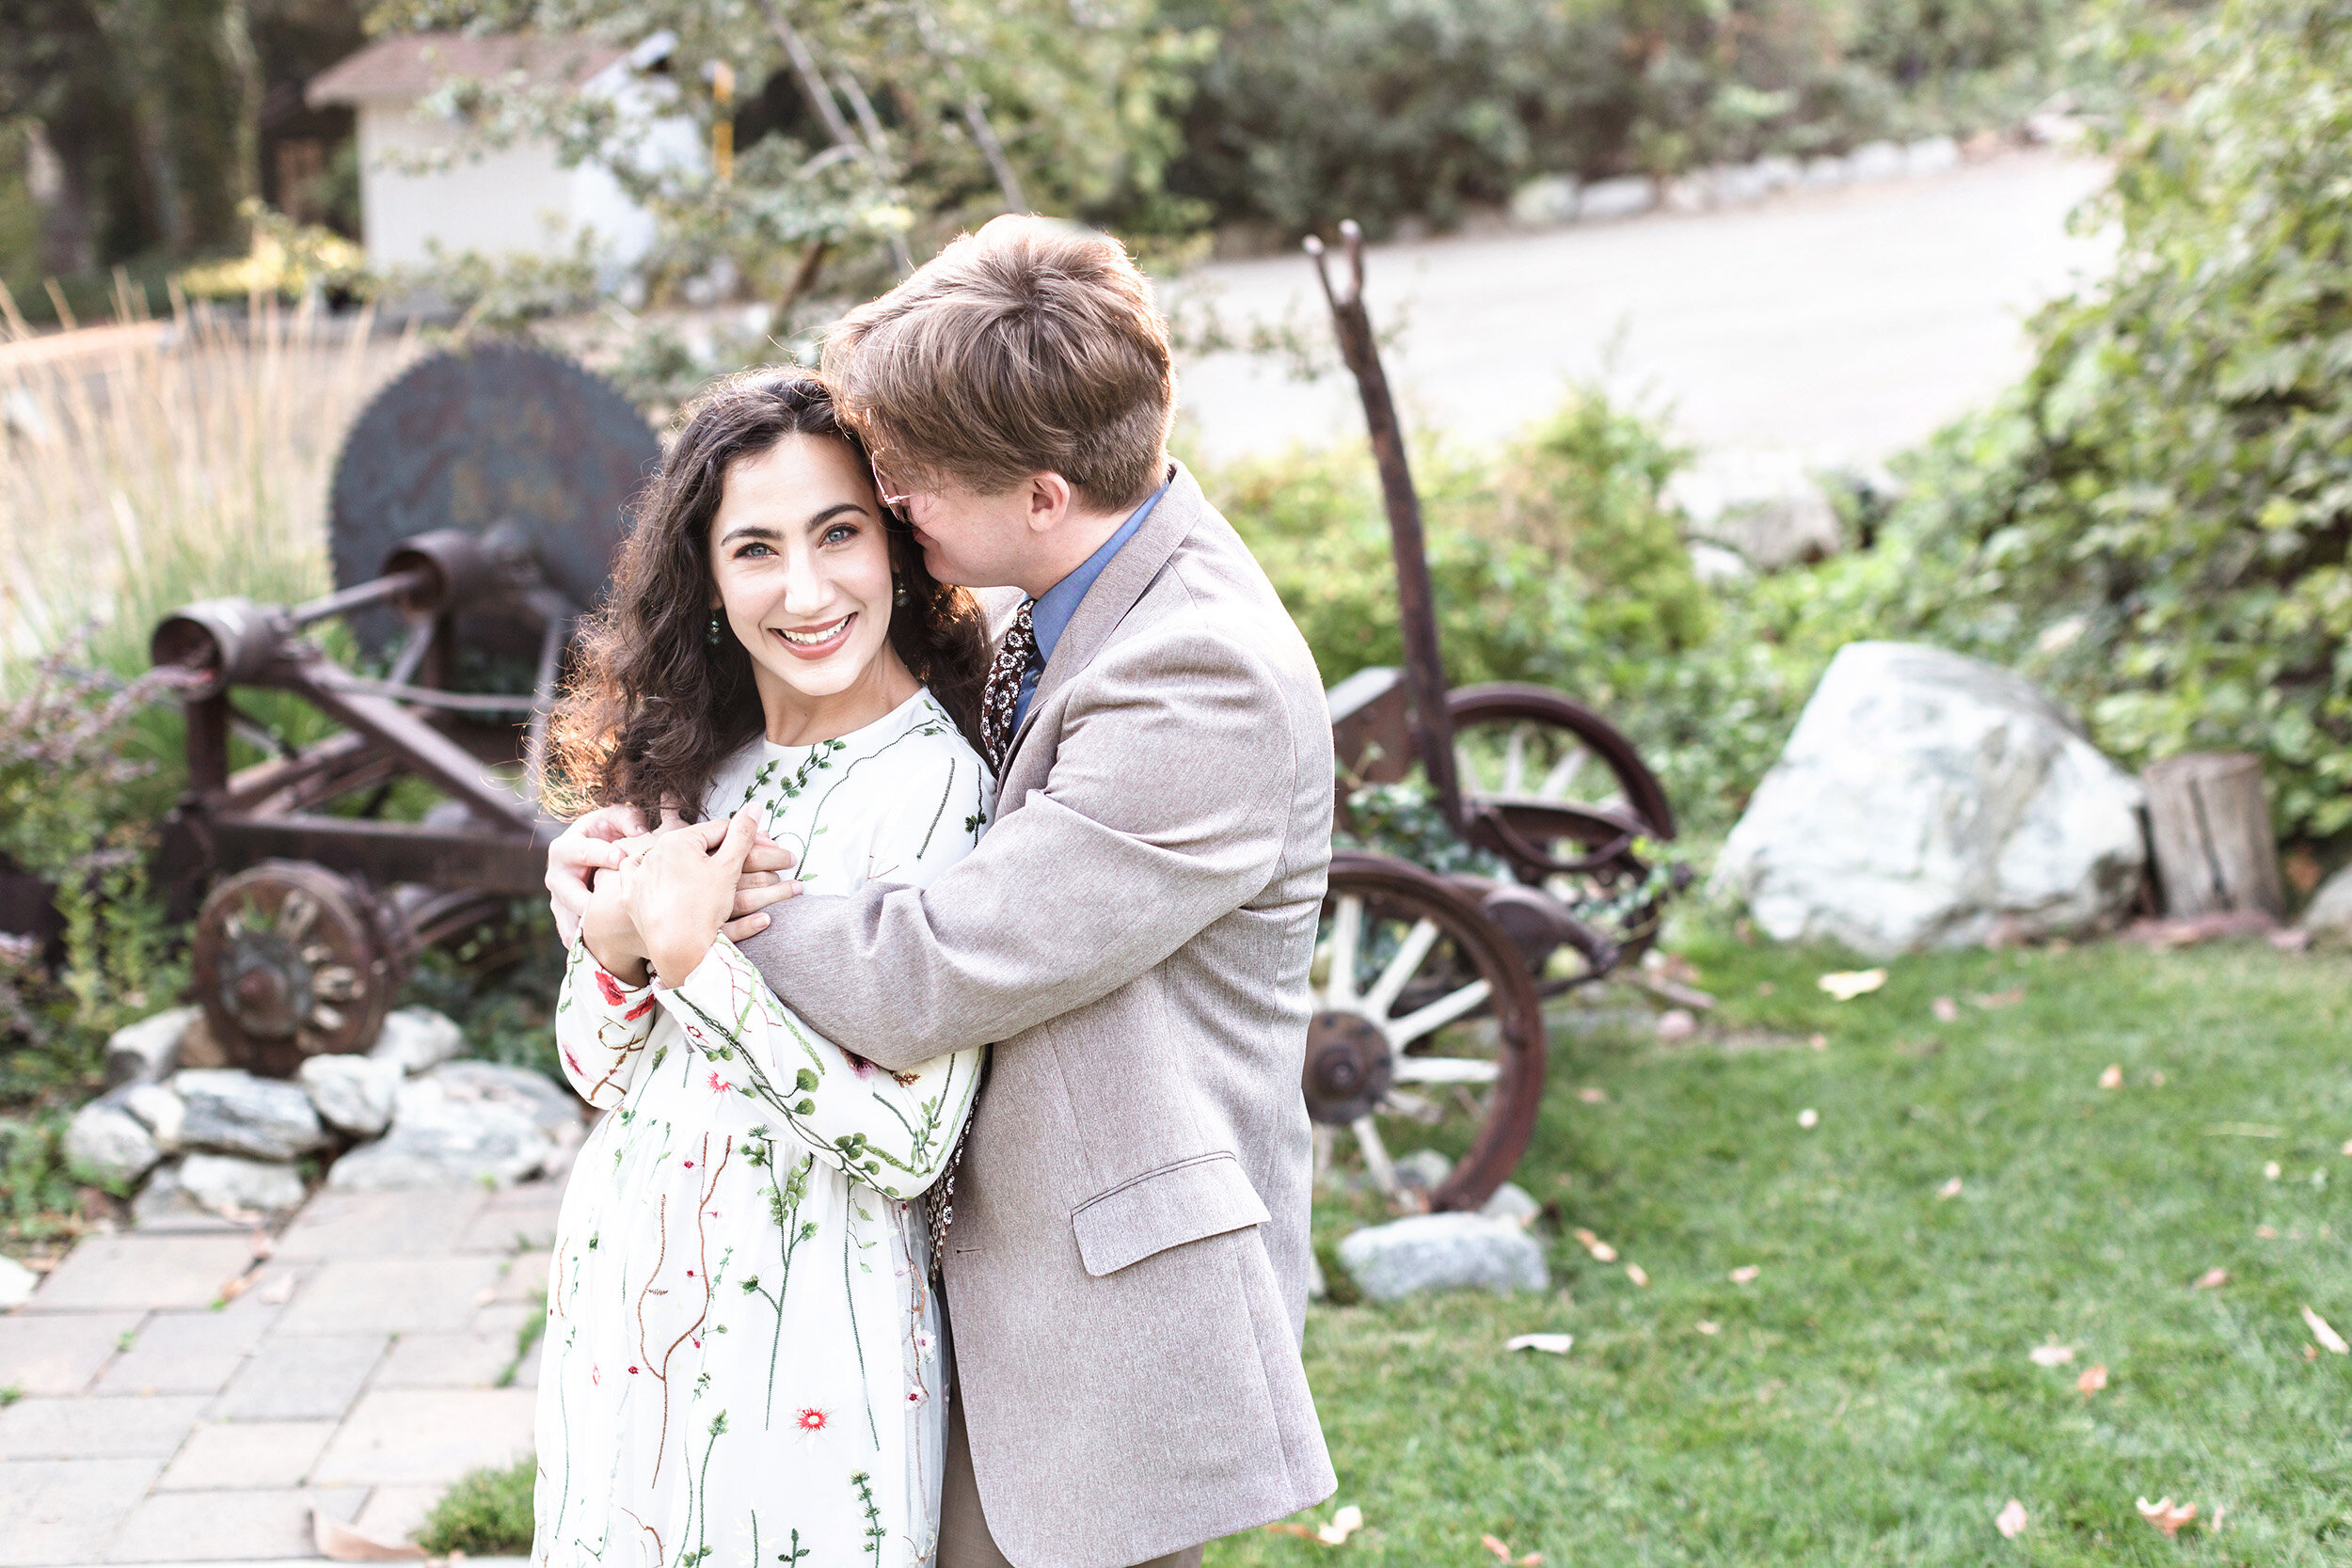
{"x":476,"y":507}
{"x":1429,"y":986}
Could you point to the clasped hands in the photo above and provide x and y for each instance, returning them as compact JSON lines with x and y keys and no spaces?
{"x":660,"y":898}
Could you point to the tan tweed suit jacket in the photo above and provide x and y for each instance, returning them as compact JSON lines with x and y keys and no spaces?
{"x":1127,"y":1271}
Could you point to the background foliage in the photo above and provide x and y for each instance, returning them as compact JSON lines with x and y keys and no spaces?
{"x":2156,"y":522}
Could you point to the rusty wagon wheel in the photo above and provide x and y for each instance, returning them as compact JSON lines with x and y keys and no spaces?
{"x":1422,"y":1005}
{"x":291,"y":961}
{"x":1562,"y":796}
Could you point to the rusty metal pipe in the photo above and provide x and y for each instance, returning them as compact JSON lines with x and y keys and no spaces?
{"x":397,"y":585}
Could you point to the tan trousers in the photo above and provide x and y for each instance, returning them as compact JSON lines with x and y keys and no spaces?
{"x":964,"y":1538}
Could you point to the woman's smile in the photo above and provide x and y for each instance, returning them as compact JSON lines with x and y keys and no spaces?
{"x":817,"y":641}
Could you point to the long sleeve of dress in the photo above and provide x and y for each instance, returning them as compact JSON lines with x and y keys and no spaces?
{"x":601,"y":1026}
{"x":892,"y":1131}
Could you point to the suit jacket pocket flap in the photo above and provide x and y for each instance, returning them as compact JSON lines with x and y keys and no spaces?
{"x":1206,"y":1195}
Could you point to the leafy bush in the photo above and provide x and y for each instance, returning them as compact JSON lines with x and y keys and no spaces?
{"x":2156,"y":523}
{"x":1314,"y":110}
{"x":1556,"y":560}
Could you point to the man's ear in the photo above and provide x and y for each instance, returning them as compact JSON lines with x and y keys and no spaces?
{"x":1050,"y":497}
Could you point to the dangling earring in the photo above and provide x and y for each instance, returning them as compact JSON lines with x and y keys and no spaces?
{"x":711,"y":636}
{"x":899,"y":597}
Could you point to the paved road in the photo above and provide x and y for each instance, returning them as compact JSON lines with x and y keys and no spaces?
{"x":1845,"y":325}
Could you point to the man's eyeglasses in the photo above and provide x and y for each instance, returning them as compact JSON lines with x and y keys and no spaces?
{"x":893,"y":500}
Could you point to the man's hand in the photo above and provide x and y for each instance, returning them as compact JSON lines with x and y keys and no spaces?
{"x":611,"y":934}
{"x":680,"y":889}
{"x":595,"y":843}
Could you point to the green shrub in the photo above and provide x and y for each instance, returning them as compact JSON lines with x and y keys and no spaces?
{"x":487,"y":1513}
{"x":2156,"y":523}
{"x":1556,"y":560}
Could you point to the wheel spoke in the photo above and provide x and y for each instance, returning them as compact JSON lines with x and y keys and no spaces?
{"x":1445,"y":1069}
{"x":1437,"y":1015}
{"x":1562,"y":774}
{"x":1377,"y":1163}
{"x":1383,"y":994}
{"x":1347,"y":923}
{"x":1515,"y":760}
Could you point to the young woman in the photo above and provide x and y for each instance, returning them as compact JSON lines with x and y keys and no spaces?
{"x":743,"y":1360}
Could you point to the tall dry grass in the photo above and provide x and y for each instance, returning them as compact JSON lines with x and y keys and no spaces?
{"x":156,"y":461}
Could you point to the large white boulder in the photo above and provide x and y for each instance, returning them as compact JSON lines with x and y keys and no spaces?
{"x":450,"y":1135}
{"x":144,"y":1051}
{"x":230,"y":1111}
{"x":1927,"y":800}
{"x":416,"y":1038}
{"x":352,"y":1094}
{"x":1766,"y":507}
{"x":110,"y":1143}
{"x":238,"y":1188}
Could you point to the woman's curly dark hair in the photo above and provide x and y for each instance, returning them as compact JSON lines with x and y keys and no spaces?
{"x":652,"y":709}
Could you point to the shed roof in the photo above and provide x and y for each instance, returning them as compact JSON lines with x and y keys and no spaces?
{"x":410,"y":65}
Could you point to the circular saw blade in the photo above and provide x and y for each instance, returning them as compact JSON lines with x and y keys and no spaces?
{"x":493,"y":433}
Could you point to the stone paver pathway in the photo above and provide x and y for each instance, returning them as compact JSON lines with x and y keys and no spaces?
{"x":174,"y":1397}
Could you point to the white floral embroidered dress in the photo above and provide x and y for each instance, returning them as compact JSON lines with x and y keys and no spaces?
{"x":743,"y":1348}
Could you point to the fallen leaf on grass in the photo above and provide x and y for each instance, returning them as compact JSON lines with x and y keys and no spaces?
{"x":2270,"y":1170}
{"x":1503,"y":1551}
{"x":2265,"y":1232}
{"x":2008,"y":998}
{"x":2052,"y":1354}
{"x":1950,"y":1189}
{"x":1818,"y":1042}
{"x":1597,"y":1247}
{"x":1945,"y":1009}
{"x":1346,"y":1521}
{"x":1591,"y":1095}
{"x":1557,"y":1344}
{"x":2093,"y":1380}
{"x":1765,"y":988}
{"x":2155,"y":1080}
{"x":2113,"y":1077}
{"x":1847,"y":984}
{"x":1711,"y":1330}
{"x":2325,"y":1335}
{"x":2166,"y":1515}
{"x":2011,"y":1521}
{"x":1633,"y":1272}
{"x":1745,"y":1273}
{"x":2213,"y":1280}
{"x":339,"y":1543}
{"x":1808,"y":1119}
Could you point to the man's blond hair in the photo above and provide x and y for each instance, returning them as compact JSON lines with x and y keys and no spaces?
{"x":1032,"y":346}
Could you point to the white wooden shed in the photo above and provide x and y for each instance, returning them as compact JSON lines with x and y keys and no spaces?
{"x":516,"y":199}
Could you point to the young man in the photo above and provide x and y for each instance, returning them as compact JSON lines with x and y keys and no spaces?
{"x":1126,"y":1272}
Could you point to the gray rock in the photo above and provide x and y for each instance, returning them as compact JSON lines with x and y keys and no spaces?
{"x":16,"y":1284}
{"x":352,"y":1094}
{"x":1423,"y":1170}
{"x":237,"y":1188}
{"x":232,"y":1112}
{"x":416,"y":1039}
{"x":1621,"y":197}
{"x":1511,"y":1202}
{"x":1822,"y":173}
{"x":544,"y":1100}
{"x":148,"y":1050}
{"x":2328,"y":916}
{"x":1932,"y":800}
{"x":1877,"y":160}
{"x":1737,"y":185}
{"x":1444,"y":1252}
{"x":1765,"y":506}
{"x":1541,"y":202}
{"x":1934,"y":155}
{"x":160,"y":1110}
{"x":110,"y":1144}
{"x":441,"y":1139}
{"x":1778,"y":173}
{"x":1316,"y":1287}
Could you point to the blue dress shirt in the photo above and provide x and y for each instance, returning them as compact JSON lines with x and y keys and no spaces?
{"x":1050,"y":616}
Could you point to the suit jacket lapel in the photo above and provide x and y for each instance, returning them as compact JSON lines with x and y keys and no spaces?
{"x":1115,"y":593}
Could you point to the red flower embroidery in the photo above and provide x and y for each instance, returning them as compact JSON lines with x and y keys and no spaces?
{"x":719,"y":1084}
{"x":637,"y":1011}
{"x":611,"y":987}
{"x":812,"y":1419}
{"x":573,"y":1062}
{"x":632,"y":1371}
{"x":859,"y":1065}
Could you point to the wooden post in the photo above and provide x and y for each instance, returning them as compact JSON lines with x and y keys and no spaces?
{"x":2210,"y":823}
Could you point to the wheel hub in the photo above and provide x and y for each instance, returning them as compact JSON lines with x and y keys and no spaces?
{"x":269,"y":988}
{"x":1347,"y":1067}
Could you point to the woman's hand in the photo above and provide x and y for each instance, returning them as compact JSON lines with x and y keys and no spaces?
{"x":605,"y":922}
{"x":679,"y":890}
{"x":600,"y":841}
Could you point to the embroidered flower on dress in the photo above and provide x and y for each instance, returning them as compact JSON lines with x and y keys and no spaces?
{"x":917,"y":1395}
{"x":719,"y":1084}
{"x":637,"y":1011}
{"x":812,"y":1421}
{"x":611,"y":987}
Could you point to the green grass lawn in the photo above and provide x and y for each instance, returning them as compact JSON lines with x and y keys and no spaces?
{"x":1869,"y":1397}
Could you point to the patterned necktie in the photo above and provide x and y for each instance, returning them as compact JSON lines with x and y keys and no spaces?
{"x":1003,"y":693}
